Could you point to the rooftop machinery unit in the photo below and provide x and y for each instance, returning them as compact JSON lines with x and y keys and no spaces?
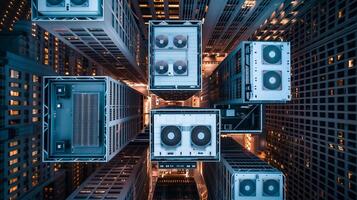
{"x":255,"y":72}
{"x":175,"y":57}
{"x":242,"y":176}
{"x":185,"y":134}
{"x":88,"y":119}
{"x":104,"y":31}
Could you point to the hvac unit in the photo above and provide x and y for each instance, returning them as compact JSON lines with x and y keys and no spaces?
{"x":259,"y":186}
{"x":185,"y":134}
{"x":242,"y":176}
{"x":175,"y":58}
{"x":88,"y":119}
{"x":255,"y":72}
{"x":69,"y":7}
{"x":266,"y":69}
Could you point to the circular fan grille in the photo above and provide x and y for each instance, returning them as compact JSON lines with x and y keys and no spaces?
{"x":201,"y":135}
{"x":161,"y":67}
{"x":161,"y":41}
{"x":180,"y":41}
{"x":54,"y":2}
{"x":171,"y":135}
{"x":180,"y":67}
{"x":272,"y":54}
{"x":272,"y":80}
{"x":271,"y":187}
{"x":247,"y":187}
{"x":79,"y":2}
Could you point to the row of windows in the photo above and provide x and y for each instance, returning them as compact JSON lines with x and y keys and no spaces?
{"x":313,"y":138}
{"x":17,"y":75}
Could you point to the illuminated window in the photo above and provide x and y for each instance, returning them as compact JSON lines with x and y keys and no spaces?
{"x":341,"y":13}
{"x":14,"y":74}
{"x":13,"y":161}
{"x":35,"y":119}
{"x":13,"y":143}
{"x":34,"y":95}
{"x":12,"y":180}
{"x":34,"y":111}
{"x":173,"y":5}
{"x":26,"y":87}
{"x":14,"y":93}
{"x":14,"y":112}
{"x":339,"y":57}
{"x":13,"y":189}
{"x":15,"y":85}
{"x":14,"y":103}
{"x":34,"y":153}
{"x":351,"y":63}
{"x":35,"y":160}
{"x":13,"y":152}
{"x":14,"y":170}
{"x":35,"y":79}
{"x":330,"y":60}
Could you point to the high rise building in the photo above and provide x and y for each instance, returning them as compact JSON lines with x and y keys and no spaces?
{"x":12,"y":11}
{"x":313,"y":138}
{"x":22,"y":173}
{"x":242,"y":175}
{"x":27,"y":53}
{"x":124,"y":177}
{"x":105,"y":32}
{"x":29,"y":40}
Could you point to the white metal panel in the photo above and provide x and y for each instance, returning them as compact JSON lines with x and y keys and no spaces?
{"x":259,"y":68}
{"x":185,"y":120}
{"x":67,"y":7}
{"x":257,"y":191}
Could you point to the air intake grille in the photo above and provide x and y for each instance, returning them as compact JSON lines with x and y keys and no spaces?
{"x":86,"y":120}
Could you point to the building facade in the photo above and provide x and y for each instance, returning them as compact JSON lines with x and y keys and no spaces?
{"x":124,"y":177}
{"x":313,"y":138}
{"x":22,"y":172}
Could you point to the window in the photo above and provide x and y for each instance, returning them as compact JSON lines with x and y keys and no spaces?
{"x":13,"y":180}
{"x":34,"y":111}
{"x":34,"y":153}
{"x":13,"y":161}
{"x":13,"y":189}
{"x":35,"y":78}
{"x":35,"y":119}
{"x":14,"y":93}
{"x":13,"y":143}
{"x":14,"y":170}
{"x":350,"y":63}
{"x":14,"y":103}
{"x":15,"y":85}
{"x":34,"y":95}
{"x":14,"y":74}
{"x":14,"y":112}
{"x":13,"y":152}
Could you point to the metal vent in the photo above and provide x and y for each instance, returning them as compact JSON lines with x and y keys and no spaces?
{"x":85,"y":120}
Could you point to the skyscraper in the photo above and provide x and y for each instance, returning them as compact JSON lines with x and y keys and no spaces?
{"x":22,"y":172}
{"x":313,"y":138}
